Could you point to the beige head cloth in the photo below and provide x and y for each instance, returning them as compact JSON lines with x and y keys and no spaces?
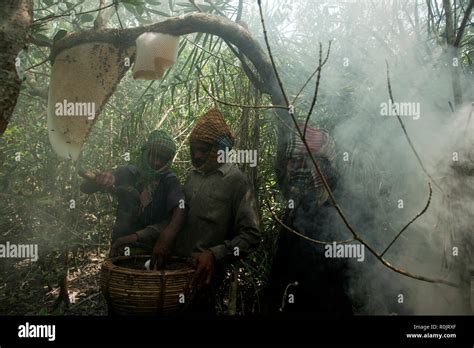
{"x":156,"y":52}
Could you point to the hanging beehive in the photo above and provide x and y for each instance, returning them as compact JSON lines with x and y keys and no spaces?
{"x":83,"y":78}
{"x":156,"y":52}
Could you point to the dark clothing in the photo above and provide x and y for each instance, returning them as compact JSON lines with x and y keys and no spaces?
{"x":131,"y":217}
{"x":321,"y":282}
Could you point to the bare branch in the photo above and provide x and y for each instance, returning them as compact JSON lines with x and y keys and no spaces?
{"x":328,"y":189}
{"x":298,"y":233}
{"x":116,"y":12}
{"x":38,"y":64}
{"x":50,"y":17}
{"x":315,"y":96}
{"x":312,"y":75}
{"x":99,"y":22}
{"x":240,"y":105}
{"x":280,"y":83}
{"x":408,"y":224}
{"x":406,"y":133}
{"x":449,"y":22}
{"x":239,"y":11}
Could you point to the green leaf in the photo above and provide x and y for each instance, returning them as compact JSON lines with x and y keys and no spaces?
{"x":42,"y":38}
{"x":43,"y":311}
{"x":48,"y":2}
{"x":153,"y":2}
{"x":140,"y":9}
{"x":130,"y":8}
{"x":159,"y":12}
{"x":87,"y":18}
{"x":59,"y":35}
{"x":133,"y":2}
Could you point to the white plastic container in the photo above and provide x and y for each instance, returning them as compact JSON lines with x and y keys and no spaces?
{"x":156,"y":52}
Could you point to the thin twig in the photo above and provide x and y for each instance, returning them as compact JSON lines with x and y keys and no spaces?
{"x":37,"y":65}
{"x":90,"y":297}
{"x":312,"y":75}
{"x":271,"y":55}
{"x":349,"y":226}
{"x":292,"y":131}
{"x":327,"y":187}
{"x":68,"y":14}
{"x":241,"y":105}
{"x":408,"y":224}
{"x":406,"y":133}
{"x":315,"y":96}
{"x":211,"y":53}
{"x":298,"y":233}
{"x":116,"y":12}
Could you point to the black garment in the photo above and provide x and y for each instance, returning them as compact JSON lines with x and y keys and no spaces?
{"x":321,"y":282}
{"x":129,"y":216}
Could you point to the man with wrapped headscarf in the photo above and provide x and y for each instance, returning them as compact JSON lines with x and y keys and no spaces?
{"x":303,"y":282}
{"x":222,"y":223}
{"x":150,"y":209}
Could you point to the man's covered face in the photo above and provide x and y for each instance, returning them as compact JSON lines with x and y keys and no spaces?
{"x":200,"y":152}
{"x":156,"y":158}
{"x":299,"y":176}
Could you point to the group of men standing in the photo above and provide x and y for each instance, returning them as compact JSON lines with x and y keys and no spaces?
{"x":214,"y":217}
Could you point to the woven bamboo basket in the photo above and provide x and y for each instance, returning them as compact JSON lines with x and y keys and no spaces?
{"x":131,"y":291}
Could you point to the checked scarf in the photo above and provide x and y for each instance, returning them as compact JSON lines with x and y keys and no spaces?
{"x":301,"y":173}
{"x":211,"y":129}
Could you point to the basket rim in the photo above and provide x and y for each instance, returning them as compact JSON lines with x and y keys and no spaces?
{"x":109,"y":264}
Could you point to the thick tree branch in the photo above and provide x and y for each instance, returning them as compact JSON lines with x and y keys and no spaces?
{"x":182,"y":25}
{"x":449,"y":22}
{"x":212,"y":24}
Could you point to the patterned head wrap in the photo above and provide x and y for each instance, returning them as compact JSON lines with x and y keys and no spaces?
{"x":301,"y":174}
{"x":212,"y":130}
{"x":161,"y":142}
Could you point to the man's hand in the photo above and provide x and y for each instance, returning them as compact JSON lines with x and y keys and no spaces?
{"x":117,"y":247}
{"x":160,"y":255}
{"x":106,"y":179}
{"x":205,"y":265}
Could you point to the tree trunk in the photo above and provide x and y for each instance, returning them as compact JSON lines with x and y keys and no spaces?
{"x":15,"y":29}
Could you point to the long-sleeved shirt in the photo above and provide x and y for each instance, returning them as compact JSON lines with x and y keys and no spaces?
{"x":130,"y":218}
{"x":222,"y":215}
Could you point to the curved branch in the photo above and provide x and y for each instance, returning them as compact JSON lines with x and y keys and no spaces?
{"x":338,"y":208}
{"x":412,"y":146}
{"x":182,"y":25}
{"x":411,"y":221}
{"x":222,"y":27}
{"x":248,"y":46}
{"x":316,"y":241}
